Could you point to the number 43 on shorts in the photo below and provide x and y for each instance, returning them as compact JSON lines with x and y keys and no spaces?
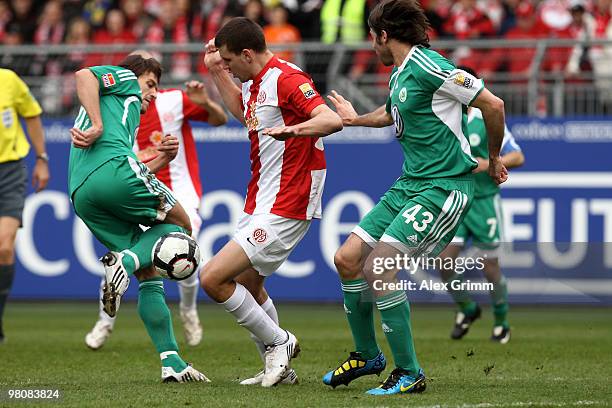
{"x":411,"y":217}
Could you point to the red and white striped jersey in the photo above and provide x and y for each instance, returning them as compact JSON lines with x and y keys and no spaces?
{"x":169,"y":114}
{"x":287,"y":177}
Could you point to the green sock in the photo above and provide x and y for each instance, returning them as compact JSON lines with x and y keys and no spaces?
{"x":461,"y":297}
{"x":499,"y":299}
{"x":155,"y":314}
{"x":395,"y":313}
{"x":359,"y":308}
{"x":140,"y":254}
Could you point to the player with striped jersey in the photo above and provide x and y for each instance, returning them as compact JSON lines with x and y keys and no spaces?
{"x":114,"y":193}
{"x":277,"y":101}
{"x":483,"y":224}
{"x":169,"y":114}
{"x":420,"y":213}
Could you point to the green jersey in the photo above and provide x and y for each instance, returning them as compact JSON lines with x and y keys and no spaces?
{"x":428,"y":97}
{"x":120,"y":102}
{"x":479,"y":143}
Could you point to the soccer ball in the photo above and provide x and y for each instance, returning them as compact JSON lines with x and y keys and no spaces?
{"x":176,"y":256}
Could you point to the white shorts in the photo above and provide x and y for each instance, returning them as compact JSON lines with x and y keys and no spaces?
{"x":269,"y":239}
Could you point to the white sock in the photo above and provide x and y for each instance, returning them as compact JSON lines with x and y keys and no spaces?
{"x":268,"y":307}
{"x":250,"y":315}
{"x":188,"y":291}
{"x":101,"y":313}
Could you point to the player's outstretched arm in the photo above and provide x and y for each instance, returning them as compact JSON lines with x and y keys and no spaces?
{"x":492,"y":109}
{"x":196,"y":92}
{"x":377,"y":118}
{"x":323,"y":122}
{"x":230,"y":92}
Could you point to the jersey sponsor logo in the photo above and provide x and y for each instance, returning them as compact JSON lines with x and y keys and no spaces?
{"x":402,"y":95}
{"x":386,"y":328}
{"x":108,"y":80}
{"x":168,"y":117}
{"x":7,"y":118}
{"x":413,"y":239}
{"x":307,"y":90}
{"x":260,"y":235}
{"x":156,"y":137}
{"x":474,"y":139}
{"x":463,"y":81}
{"x":398,"y":121}
{"x":261,"y":98}
{"x":250,"y":119}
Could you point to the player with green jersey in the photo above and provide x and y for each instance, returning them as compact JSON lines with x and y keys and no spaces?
{"x":483,"y":225}
{"x":114,"y":193}
{"x":419,"y":214}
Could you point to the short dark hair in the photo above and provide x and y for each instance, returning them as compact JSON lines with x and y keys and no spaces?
{"x":402,"y":20}
{"x":139,"y":65}
{"x":241,"y":33}
{"x":469,"y":70}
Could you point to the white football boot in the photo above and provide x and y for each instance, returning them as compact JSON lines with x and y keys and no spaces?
{"x":191,"y":326}
{"x":277,"y":360}
{"x":117,"y":282}
{"x":96,"y":338}
{"x":189,"y":374}
{"x":290,"y":377}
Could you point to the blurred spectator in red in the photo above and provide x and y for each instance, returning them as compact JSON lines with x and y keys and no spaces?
{"x":435,"y":19}
{"x":78,"y":36}
{"x":13,"y":37}
{"x":214,"y":12}
{"x":51,"y":27}
{"x":254,"y":11}
{"x":517,"y":60}
{"x":582,"y":27}
{"x":137,"y":19}
{"x":279,"y":31}
{"x":5,"y":17}
{"x":466,"y":21}
{"x":114,"y":32}
{"x":494,"y":10}
{"x":94,"y":11}
{"x":24,"y":16}
{"x":555,"y":14}
{"x":602,"y":16}
{"x":189,"y":12}
{"x":50,"y":31}
{"x":171,"y":27}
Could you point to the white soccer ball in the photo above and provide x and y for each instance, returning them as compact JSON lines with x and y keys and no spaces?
{"x":176,"y":256}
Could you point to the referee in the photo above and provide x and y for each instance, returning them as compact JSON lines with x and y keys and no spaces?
{"x":16,"y":102}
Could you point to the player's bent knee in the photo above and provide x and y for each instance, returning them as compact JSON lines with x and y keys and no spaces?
{"x":7,"y":253}
{"x":348,"y":265}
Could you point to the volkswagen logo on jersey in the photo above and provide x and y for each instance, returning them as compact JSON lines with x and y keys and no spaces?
{"x":399,"y":123}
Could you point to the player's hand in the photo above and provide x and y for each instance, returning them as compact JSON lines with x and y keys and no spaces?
{"x":168,"y":147}
{"x":344,"y":108}
{"x":196,"y":91}
{"x":212,"y":58}
{"x":497,"y":170}
{"x":83,"y":139}
{"x":281,"y":133}
{"x":40,"y":175}
{"x":483,"y":165}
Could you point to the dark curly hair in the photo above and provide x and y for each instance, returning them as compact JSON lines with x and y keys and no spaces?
{"x":402,"y":20}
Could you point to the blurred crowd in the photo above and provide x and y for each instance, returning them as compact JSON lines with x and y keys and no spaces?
{"x":80,"y":23}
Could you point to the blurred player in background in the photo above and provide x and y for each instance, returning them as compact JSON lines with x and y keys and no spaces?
{"x":277,"y":100}
{"x":16,"y":102}
{"x":114,"y":193}
{"x":483,"y":224}
{"x":419,"y":214}
{"x":170,"y":113}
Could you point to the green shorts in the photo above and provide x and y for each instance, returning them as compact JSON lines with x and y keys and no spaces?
{"x":117,"y":198}
{"x":418,"y":216}
{"x":483,"y":223}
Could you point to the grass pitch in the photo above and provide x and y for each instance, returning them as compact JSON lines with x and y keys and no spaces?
{"x":558,"y":357}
